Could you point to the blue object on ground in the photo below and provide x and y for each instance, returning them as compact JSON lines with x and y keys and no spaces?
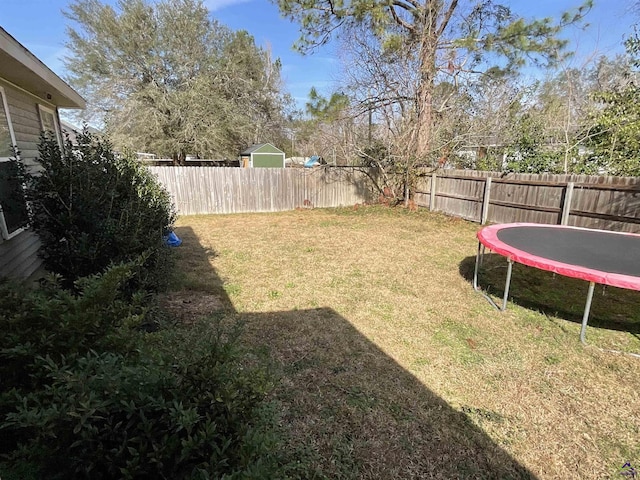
{"x":172,"y":240}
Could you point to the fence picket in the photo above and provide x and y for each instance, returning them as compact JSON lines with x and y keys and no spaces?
{"x":587,"y":201}
{"x":201,"y":190}
{"x":592,"y":201}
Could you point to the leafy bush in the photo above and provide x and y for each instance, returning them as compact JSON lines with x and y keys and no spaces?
{"x":173,"y":415}
{"x":529,"y":153}
{"x":87,"y":394}
{"x":92,"y":208}
{"x":51,"y":322}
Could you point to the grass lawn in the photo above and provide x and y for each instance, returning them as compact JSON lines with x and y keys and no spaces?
{"x":391,"y":366}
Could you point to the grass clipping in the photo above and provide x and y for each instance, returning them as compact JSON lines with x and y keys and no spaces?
{"x":393,"y":367}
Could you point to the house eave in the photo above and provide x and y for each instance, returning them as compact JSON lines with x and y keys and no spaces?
{"x":22,"y":68}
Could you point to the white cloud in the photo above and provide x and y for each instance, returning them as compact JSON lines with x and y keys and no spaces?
{"x":51,"y":55}
{"x":56,"y":60}
{"x":214,"y":5}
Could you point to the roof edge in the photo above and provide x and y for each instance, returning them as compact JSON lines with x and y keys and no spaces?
{"x":11,"y":47}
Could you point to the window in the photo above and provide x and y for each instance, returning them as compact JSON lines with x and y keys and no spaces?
{"x":13,"y":209}
{"x":49,"y":122}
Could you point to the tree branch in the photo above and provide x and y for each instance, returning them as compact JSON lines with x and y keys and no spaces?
{"x":396,"y":18}
{"x":447,"y":17}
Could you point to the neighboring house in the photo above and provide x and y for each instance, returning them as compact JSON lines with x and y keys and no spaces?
{"x":469,"y":155}
{"x":30,"y":95}
{"x":72,"y":131}
{"x":263,"y":155}
{"x":295,"y":161}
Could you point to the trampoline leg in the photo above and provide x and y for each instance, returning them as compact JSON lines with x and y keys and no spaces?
{"x":475,"y":272}
{"x":479,"y":257}
{"x":585,"y":315}
{"x":507,"y":285}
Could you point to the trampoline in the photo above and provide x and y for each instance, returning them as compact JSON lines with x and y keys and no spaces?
{"x":597,"y":256}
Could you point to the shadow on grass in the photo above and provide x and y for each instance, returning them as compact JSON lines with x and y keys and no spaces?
{"x":194,"y":270}
{"x":356,"y":413}
{"x":349,"y":410}
{"x":612,"y":308}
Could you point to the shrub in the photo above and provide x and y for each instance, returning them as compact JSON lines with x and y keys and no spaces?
{"x":105,"y":416}
{"x":92,"y":208}
{"x":98,"y":398}
{"x":55,"y":323}
{"x":52,"y":321}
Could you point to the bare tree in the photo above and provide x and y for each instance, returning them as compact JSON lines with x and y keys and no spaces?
{"x":440,"y":36}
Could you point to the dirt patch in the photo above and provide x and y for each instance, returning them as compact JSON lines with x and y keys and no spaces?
{"x":188,"y":306}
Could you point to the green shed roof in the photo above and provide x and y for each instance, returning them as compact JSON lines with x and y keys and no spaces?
{"x":261,"y":148}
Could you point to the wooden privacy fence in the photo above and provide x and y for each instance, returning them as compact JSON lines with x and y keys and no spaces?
{"x":197,"y":190}
{"x":610,"y":203}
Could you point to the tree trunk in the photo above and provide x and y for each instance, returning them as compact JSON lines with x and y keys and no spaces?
{"x":422,"y":131}
{"x":424,"y":120}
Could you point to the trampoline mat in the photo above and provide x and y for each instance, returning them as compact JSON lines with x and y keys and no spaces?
{"x":607,"y":252}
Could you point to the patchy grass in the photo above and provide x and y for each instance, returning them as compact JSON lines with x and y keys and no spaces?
{"x":391,"y":366}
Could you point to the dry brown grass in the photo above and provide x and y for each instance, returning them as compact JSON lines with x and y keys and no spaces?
{"x":393,"y":367}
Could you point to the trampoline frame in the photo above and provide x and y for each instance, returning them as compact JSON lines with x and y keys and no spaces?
{"x":488,"y":238}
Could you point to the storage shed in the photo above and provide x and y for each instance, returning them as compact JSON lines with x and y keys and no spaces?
{"x":262,"y":155}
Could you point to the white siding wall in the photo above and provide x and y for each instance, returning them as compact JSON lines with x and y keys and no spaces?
{"x":19,"y":256}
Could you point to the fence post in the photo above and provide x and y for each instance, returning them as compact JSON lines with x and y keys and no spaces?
{"x":432,"y":193}
{"x":485,"y":201}
{"x":566,"y":204}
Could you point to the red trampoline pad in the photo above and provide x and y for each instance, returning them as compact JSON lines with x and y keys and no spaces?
{"x":609,"y":258}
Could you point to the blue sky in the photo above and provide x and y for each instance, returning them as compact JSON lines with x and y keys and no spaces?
{"x":40,"y":26}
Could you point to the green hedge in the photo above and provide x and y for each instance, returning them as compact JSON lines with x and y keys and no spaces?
{"x":86,"y":393}
{"x":92,"y":208}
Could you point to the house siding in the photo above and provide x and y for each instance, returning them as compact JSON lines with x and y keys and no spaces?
{"x":25,"y":118}
{"x":19,"y":255}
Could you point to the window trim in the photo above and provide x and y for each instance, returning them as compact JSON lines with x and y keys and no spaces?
{"x":56,"y":124}
{"x":5,"y":104}
{"x":4,"y":229}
